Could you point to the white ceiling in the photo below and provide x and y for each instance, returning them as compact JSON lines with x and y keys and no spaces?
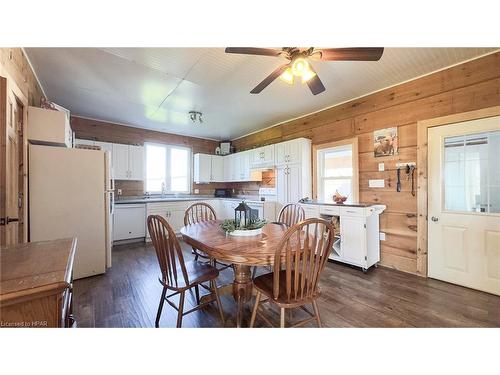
{"x":155,"y":88}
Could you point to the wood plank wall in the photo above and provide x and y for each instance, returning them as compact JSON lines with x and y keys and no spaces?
{"x":14,"y":63}
{"x":466,"y":87}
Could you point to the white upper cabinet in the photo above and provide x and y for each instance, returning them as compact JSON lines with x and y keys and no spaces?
{"x":136,"y":162}
{"x":120,"y":158}
{"x":85,"y":142}
{"x":105,"y":146}
{"x":208,"y":168}
{"x":49,"y":127}
{"x":128,"y":162}
{"x":217,"y":168}
{"x":227,"y":167}
{"x":202,"y":168}
{"x":293,"y":171}
{"x":245,"y":173}
{"x":293,"y":151}
{"x":263,"y":156}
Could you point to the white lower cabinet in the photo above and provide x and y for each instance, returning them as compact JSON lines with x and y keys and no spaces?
{"x":128,"y":221}
{"x":174,"y":212}
{"x":353,"y":240}
{"x":359,"y":240}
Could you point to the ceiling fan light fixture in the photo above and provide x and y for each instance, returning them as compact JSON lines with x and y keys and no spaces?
{"x":300,"y":66}
{"x":307,"y":75}
{"x":287,"y":76}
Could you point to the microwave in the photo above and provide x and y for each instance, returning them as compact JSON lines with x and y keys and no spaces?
{"x":222,"y":193}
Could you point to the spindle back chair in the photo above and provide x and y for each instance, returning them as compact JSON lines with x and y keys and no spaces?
{"x":299,"y":260}
{"x":178,"y":275}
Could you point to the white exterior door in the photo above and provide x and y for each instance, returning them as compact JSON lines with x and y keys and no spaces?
{"x":464,"y":204}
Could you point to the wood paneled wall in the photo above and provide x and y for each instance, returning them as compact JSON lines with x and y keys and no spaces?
{"x":466,"y":87}
{"x":14,"y":63}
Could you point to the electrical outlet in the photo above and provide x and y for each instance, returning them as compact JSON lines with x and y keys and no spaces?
{"x":381,"y":167}
{"x":197,"y":191}
{"x":382,"y":236}
{"x":119,"y":191}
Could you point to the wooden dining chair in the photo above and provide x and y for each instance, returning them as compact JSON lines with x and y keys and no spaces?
{"x":300,"y":257}
{"x":177,"y":275}
{"x":289,"y":215}
{"x":197,"y":213}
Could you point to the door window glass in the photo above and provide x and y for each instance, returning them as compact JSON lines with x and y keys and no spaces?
{"x":472,"y":172}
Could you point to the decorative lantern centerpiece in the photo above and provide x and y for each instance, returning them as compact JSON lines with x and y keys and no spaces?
{"x":244,"y":223}
{"x":242,"y":215}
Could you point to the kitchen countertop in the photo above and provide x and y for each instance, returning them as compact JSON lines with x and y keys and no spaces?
{"x":155,"y":199}
{"x":346,"y":204}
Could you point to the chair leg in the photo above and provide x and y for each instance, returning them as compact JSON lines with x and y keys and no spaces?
{"x":181,"y":309}
{"x":254,"y":311}
{"x":217,"y":298}
{"x":316,"y":312}
{"x":197,"y":294}
{"x":282,"y":318}
{"x":160,"y":307}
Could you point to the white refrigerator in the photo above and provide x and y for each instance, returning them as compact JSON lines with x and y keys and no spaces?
{"x":71,"y":195}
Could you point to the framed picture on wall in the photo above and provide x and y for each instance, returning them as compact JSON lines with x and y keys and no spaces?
{"x":385,"y":142}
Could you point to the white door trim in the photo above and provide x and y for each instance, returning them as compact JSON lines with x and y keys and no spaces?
{"x":422,"y":194}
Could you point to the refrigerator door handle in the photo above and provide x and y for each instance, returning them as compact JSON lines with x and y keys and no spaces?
{"x":112,"y":201}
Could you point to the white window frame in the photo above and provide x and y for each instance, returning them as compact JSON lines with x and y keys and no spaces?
{"x":168,"y":180}
{"x":318,"y":170}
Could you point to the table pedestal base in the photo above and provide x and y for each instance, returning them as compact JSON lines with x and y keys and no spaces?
{"x":242,"y":289}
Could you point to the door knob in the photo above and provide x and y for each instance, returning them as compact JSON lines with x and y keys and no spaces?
{"x":434,"y":218}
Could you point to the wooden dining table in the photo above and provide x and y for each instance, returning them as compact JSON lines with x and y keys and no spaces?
{"x":241,"y":252}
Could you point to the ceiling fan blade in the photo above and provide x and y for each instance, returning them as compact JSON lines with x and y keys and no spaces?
{"x":351,"y":54}
{"x":315,"y":83}
{"x":254,"y":51}
{"x":271,"y":77}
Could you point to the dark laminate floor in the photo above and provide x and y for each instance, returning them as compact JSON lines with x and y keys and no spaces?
{"x":127,"y":296}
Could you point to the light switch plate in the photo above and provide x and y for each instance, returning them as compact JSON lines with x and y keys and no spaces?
{"x":382,"y":236}
{"x":381,"y":167}
{"x":197,"y":191}
{"x":376,"y":183}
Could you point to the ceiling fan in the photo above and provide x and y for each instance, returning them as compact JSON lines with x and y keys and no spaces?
{"x":299,"y":65}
